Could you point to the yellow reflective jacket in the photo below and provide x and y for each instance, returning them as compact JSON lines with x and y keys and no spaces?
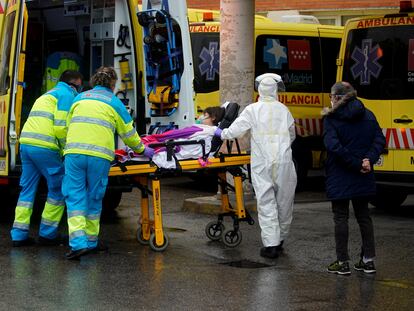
{"x":46,"y":124}
{"x":94,"y":118}
{"x":56,"y":64}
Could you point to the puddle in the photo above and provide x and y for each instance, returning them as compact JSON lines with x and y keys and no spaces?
{"x":246,"y":264}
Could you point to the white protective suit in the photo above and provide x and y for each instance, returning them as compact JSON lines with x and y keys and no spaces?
{"x":273,"y":173}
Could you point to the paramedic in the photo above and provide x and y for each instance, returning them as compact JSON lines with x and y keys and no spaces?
{"x":273,"y":172}
{"x":354,"y":142}
{"x":41,"y":145}
{"x":93,"y":119}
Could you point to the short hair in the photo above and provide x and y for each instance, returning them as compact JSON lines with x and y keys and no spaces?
{"x":343,"y":88}
{"x":216,"y":114}
{"x":104,"y":76}
{"x":70,"y":76}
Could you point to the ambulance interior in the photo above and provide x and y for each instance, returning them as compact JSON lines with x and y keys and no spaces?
{"x":70,"y":34}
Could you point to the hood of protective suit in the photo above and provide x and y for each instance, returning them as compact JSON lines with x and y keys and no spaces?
{"x":268,"y":89}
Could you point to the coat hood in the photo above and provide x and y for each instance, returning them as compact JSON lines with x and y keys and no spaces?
{"x":348,"y":107}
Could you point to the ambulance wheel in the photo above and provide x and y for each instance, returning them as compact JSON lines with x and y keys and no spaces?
{"x":140,"y":239}
{"x":214,"y":230}
{"x":389,"y":199}
{"x":155,"y":247}
{"x":231,"y":237}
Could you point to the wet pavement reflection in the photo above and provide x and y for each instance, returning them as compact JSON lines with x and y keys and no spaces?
{"x":197,"y":274}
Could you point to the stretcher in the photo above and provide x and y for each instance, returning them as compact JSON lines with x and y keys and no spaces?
{"x":143,"y":174}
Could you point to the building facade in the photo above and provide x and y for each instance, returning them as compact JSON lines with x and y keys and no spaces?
{"x":327,"y":11}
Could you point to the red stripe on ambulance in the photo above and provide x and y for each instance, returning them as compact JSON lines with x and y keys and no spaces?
{"x":401,"y":138}
{"x":306,"y":127}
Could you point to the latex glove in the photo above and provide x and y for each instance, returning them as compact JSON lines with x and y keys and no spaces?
{"x":217,"y":132}
{"x":148,"y":152}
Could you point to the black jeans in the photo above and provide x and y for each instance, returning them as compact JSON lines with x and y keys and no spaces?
{"x":340,"y":209}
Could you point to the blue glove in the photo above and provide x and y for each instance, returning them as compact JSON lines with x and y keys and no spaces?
{"x":217,"y":132}
{"x":148,"y":152}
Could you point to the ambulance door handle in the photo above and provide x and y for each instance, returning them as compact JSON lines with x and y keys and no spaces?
{"x":405,"y":120}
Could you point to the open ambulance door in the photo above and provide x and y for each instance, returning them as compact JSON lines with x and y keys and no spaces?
{"x":12,"y":58}
{"x":137,"y":48}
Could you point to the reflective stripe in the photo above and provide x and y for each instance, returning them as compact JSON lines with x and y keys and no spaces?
{"x":55,"y":202}
{"x":129,"y":134}
{"x":93,"y":121}
{"x":137,"y":147}
{"x":44,"y":114}
{"x":92,"y":238}
{"x":93,"y":216}
{"x":50,"y":223}
{"x":45,"y":138}
{"x":77,"y":234}
{"x":90,"y":147}
{"x":62,"y":141}
{"x":75,"y":213}
{"x":19,"y":225}
{"x":59,"y":123}
{"x":25,"y":204}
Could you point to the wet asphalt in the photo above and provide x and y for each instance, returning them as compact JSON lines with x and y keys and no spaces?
{"x":194,"y":273}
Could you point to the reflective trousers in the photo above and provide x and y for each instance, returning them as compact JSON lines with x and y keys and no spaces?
{"x":84,"y":185}
{"x":274,"y":187}
{"x":37,"y":162}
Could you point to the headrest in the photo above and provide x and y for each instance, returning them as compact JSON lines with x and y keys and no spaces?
{"x":230,"y":114}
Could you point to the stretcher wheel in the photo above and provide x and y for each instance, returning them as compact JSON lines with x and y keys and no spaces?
{"x":231,"y":237}
{"x":140,"y":239}
{"x":155,"y":247}
{"x":214,"y":230}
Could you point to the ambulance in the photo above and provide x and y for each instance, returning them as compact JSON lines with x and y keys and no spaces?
{"x":303,"y":54}
{"x":39,"y":39}
{"x":377,"y":58}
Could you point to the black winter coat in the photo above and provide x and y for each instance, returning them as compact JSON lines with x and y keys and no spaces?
{"x":351,"y":133}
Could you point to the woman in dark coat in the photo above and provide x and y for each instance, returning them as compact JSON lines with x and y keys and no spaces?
{"x":354,"y":142}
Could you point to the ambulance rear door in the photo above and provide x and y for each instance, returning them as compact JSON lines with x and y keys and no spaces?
{"x":402,"y":88}
{"x":11,"y":81}
{"x":367,"y":56}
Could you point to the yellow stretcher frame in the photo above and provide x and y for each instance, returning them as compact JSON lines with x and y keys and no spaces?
{"x":142,"y":172}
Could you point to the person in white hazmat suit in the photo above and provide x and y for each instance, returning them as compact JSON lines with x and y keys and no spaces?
{"x":273,"y":173}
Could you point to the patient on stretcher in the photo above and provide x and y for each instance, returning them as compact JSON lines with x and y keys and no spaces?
{"x":203,"y":130}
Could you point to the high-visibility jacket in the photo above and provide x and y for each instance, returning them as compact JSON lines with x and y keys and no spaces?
{"x":94,"y":118}
{"x":46,"y":124}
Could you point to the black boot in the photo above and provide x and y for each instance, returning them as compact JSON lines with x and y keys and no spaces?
{"x":26,"y":242}
{"x":72,"y":255}
{"x":269,"y":252}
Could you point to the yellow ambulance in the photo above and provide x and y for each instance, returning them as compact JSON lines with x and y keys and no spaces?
{"x":377,"y":58}
{"x":303,"y":54}
{"x":40,"y":38}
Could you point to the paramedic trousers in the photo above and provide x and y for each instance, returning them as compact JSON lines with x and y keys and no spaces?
{"x":84,"y":185}
{"x":340,"y":209}
{"x":37,"y":162}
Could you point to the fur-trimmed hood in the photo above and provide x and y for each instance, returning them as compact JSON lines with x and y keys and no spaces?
{"x":348,"y":107}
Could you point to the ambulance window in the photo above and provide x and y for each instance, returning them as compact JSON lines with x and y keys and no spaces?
{"x":6,"y":46}
{"x":206,"y":56}
{"x":329,"y":54}
{"x":379,"y":62}
{"x":296,"y":59}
